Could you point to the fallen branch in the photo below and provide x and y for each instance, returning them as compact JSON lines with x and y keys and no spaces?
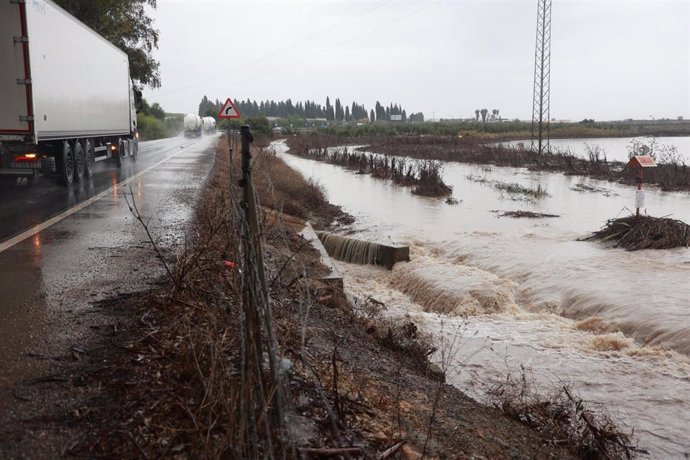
{"x":391,"y":450}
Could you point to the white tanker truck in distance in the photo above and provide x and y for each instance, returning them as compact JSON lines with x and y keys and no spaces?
{"x":209,"y":124}
{"x":66,"y":98}
{"x":192,"y":125}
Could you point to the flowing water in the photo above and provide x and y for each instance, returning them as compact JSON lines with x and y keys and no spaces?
{"x":349,"y":250}
{"x":615,"y":148}
{"x":512,"y":293}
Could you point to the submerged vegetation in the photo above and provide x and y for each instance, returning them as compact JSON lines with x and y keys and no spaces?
{"x":562,"y":418}
{"x":672,"y":172}
{"x":512,"y":188}
{"x":644,"y":232}
{"x":425,"y":176}
{"x":524,"y":214}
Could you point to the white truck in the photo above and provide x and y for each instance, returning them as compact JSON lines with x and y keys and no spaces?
{"x":209,"y":124}
{"x":66,"y":97}
{"x":192,"y":125}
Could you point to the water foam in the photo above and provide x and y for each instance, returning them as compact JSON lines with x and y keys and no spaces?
{"x":454,"y":289}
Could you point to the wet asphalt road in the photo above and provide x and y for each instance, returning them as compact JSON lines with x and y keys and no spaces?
{"x":51,"y":281}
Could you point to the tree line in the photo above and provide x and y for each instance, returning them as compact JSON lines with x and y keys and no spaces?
{"x":484,"y":113}
{"x":127,"y":25}
{"x":310,"y":109}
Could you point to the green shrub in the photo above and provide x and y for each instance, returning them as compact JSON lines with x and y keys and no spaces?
{"x":150,"y":128}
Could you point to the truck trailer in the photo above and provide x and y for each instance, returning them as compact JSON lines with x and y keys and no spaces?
{"x":66,"y":98}
{"x":209,"y":124}
{"x":192,"y":125}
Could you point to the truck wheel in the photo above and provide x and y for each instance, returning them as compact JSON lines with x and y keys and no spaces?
{"x":120,"y":153}
{"x":79,"y":161}
{"x":135,"y":149}
{"x":90,"y":159}
{"x":67,"y":173}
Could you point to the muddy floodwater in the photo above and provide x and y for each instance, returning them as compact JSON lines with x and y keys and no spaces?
{"x":505,"y":294}
{"x":615,"y":148}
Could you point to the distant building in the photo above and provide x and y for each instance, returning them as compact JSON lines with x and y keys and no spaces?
{"x":320,"y":122}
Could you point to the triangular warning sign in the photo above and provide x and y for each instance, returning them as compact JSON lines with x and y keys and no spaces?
{"x":229,"y":110}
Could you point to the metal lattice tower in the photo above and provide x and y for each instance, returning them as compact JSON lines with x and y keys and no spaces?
{"x":541,"y":111}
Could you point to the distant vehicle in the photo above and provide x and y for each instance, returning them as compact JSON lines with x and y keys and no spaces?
{"x":66,"y":97}
{"x":209,"y":124}
{"x":192,"y":125}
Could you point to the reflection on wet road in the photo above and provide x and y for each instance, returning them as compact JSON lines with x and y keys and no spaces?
{"x":22,"y":206}
{"x":50,"y":280}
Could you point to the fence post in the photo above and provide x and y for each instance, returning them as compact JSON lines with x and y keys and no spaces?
{"x":228,"y":137}
{"x":262,"y":300}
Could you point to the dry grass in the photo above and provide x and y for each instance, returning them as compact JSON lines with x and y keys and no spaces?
{"x":285,"y":190}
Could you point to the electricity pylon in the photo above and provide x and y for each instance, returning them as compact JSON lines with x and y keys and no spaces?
{"x":541,"y":111}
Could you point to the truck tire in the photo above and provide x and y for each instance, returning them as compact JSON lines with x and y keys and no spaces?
{"x":90,"y":157}
{"x":135,"y":149}
{"x":67,"y":164}
{"x":120,"y":153}
{"x":79,"y":161}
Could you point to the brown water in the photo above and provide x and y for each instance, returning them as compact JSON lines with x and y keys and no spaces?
{"x":615,"y":148}
{"x":522,"y":292}
{"x":350,"y":250}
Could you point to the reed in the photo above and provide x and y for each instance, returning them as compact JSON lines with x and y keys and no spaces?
{"x":425,"y":176}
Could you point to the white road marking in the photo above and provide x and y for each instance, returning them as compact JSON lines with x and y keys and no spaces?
{"x":5,"y":245}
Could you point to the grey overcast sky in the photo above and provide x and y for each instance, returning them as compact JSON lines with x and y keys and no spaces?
{"x":446,"y":58}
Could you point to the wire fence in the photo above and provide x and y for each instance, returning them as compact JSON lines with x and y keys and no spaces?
{"x":262,"y":398}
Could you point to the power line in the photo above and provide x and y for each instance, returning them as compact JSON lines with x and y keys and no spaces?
{"x":303,"y":40}
{"x":318,"y":53}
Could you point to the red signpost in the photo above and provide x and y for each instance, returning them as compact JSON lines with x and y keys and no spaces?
{"x":640,"y":162}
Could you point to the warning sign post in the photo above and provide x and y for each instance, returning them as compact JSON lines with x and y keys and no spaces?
{"x":640,"y":162}
{"x":229,"y":110}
